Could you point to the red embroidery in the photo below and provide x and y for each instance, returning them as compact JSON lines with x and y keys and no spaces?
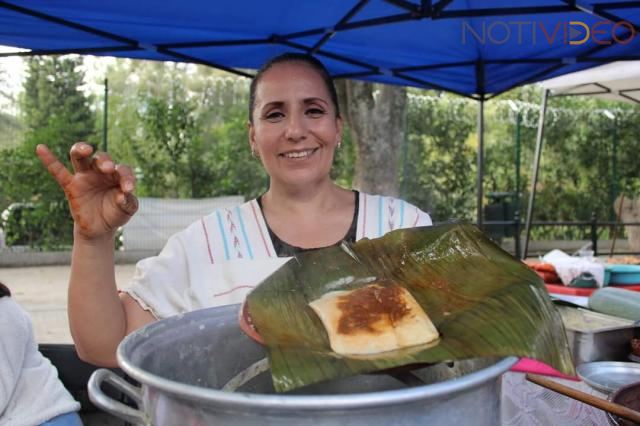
{"x":206,"y":237}
{"x":232,"y":290}
{"x":391,"y":211}
{"x":417,"y":217}
{"x":364,"y":214}
{"x":232,"y":230}
{"x":264,"y":241}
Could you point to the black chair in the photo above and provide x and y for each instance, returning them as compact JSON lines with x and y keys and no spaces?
{"x":74,"y":374}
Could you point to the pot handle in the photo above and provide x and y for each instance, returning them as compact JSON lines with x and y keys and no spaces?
{"x":108,"y":404}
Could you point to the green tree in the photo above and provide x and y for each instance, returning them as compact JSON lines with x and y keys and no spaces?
{"x":170,"y":126}
{"x":576,"y":177}
{"x":183,"y":129}
{"x":10,"y":125}
{"x":439,"y":164}
{"x":58,"y":114}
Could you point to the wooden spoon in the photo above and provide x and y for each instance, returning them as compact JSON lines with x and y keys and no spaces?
{"x":603,"y":404}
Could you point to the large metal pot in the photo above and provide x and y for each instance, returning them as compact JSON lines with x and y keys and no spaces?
{"x":183,"y":362}
{"x":627,"y":396}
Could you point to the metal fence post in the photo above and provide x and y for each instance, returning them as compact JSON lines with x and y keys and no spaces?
{"x":516,"y":234}
{"x":594,"y":233}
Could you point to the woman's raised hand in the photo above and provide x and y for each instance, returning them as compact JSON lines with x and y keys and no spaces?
{"x":100,"y":193}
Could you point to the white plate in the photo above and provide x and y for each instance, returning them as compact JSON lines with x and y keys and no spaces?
{"x":607,"y":376}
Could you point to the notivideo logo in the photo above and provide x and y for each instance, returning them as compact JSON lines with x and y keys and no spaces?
{"x":565,"y":32}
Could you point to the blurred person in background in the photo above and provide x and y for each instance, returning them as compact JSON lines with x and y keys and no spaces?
{"x":30,"y":391}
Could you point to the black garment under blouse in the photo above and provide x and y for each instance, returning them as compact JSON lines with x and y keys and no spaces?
{"x":284,"y":249}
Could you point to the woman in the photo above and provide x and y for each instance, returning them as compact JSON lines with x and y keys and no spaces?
{"x":294,"y":129}
{"x":30,"y":392}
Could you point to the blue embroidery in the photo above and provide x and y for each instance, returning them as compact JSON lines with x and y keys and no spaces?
{"x":244,"y":232}
{"x":224,"y":238}
{"x":380,"y":204}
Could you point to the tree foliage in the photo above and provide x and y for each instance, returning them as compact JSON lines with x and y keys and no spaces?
{"x":188,"y":136}
{"x":58,"y":114}
{"x":576,"y":178}
{"x":10,"y":125}
{"x":183,"y":129}
{"x":439,"y":162}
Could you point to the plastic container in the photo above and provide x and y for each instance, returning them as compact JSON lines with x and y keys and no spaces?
{"x":618,"y":302}
{"x":596,"y":337}
{"x":607,"y":275}
{"x":624,"y":274}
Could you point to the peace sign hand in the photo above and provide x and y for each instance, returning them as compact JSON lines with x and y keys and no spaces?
{"x":99,"y":192}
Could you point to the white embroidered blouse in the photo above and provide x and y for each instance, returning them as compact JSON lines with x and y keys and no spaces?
{"x":219,"y":259}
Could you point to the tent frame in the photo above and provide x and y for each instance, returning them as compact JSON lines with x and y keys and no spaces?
{"x":408,"y":11}
{"x":539,"y":145}
{"x":425,"y":9}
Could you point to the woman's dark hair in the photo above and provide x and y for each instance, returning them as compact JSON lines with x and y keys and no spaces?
{"x":4,"y":290}
{"x":294,"y":57}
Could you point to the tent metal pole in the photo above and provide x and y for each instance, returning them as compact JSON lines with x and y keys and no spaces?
{"x":480,"y":192}
{"x":614,"y":165}
{"x":517,"y":159}
{"x":105,"y":115}
{"x":536,"y":168}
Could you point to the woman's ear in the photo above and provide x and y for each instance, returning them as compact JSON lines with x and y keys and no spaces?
{"x":252,"y":136}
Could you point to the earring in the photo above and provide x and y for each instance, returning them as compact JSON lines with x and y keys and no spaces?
{"x":253,"y":152}
{"x":339,"y":144}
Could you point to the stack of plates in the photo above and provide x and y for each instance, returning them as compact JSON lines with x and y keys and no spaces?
{"x":607,"y":376}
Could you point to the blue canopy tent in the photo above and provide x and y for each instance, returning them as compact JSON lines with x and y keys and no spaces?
{"x":477,"y":49}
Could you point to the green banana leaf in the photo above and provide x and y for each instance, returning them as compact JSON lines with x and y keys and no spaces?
{"x":483,"y":301}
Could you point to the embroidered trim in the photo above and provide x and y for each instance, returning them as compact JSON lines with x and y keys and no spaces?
{"x":380,"y":209}
{"x":244,"y":232}
{"x":140,"y":301}
{"x":364,"y":214}
{"x":224,"y":238}
{"x":255,"y":216}
{"x":206,"y":237}
{"x":233,"y":289}
{"x":232,"y":231}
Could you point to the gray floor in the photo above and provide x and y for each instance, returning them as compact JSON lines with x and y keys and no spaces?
{"x":42,"y":291}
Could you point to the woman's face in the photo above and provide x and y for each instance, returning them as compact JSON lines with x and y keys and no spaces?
{"x":295,"y":129}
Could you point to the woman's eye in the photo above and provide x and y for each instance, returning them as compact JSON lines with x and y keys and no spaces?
{"x":315,"y":112}
{"x":274,"y":116}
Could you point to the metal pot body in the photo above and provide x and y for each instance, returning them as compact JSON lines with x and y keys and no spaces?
{"x":184,"y":361}
{"x":627,"y":396}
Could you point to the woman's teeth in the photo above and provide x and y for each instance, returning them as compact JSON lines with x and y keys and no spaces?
{"x":299,"y":154}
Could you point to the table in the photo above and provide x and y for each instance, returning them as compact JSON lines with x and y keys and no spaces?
{"x":527,"y":404}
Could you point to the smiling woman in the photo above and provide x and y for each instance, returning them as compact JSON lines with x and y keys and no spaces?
{"x":294,"y":128}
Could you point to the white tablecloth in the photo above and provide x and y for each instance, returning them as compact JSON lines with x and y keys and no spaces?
{"x":527,"y":404}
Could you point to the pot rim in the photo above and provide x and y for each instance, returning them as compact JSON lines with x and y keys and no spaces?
{"x":313,"y":402}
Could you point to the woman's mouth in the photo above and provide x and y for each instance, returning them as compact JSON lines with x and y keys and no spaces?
{"x":299,"y":155}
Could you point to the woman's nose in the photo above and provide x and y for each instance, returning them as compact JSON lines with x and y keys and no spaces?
{"x":296,"y":128}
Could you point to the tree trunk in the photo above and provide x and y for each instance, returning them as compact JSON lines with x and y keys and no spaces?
{"x":376,"y":118}
{"x":630,"y":212}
